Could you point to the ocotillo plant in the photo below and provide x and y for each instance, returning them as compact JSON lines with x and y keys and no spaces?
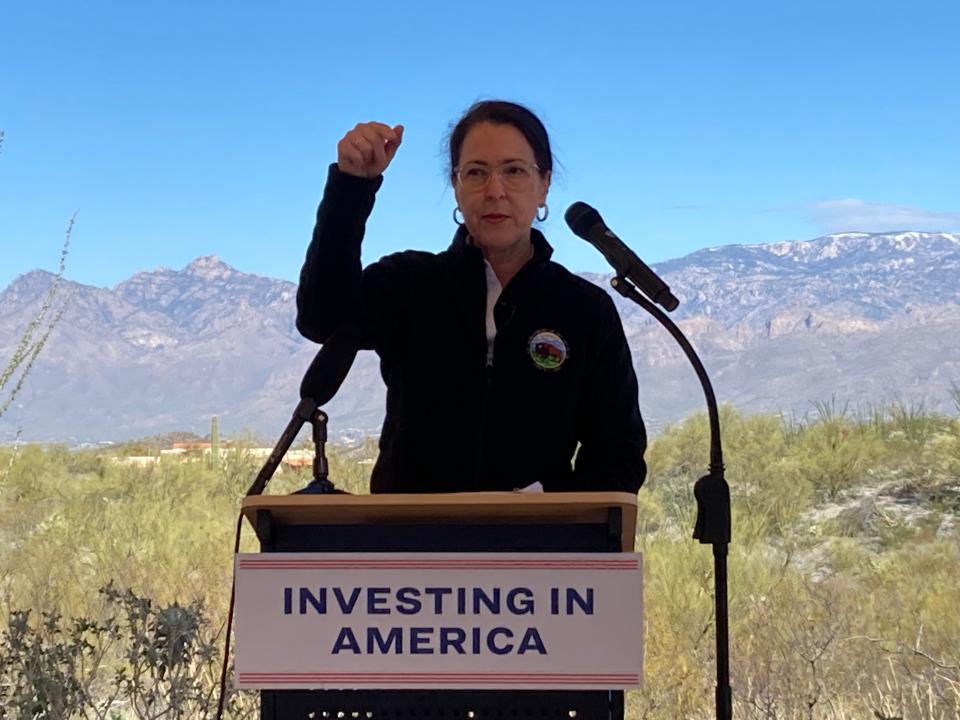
{"x":214,"y":442}
{"x":37,"y":332}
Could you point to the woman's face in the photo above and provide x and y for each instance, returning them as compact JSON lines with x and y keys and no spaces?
{"x":499,"y":217}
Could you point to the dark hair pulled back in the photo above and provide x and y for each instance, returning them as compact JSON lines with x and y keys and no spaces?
{"x":502,"y":112}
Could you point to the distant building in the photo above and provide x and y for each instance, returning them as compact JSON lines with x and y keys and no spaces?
{"x":136,"y":460}
{"x":185,"y":446}
{"x":194,"y":451}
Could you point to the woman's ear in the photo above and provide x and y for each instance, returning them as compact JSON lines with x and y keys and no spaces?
{"x":545,"y":179}
{"x":456,"y":193}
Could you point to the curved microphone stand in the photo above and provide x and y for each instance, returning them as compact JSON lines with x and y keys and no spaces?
{"x":320,"y":383}
{"x":713,"y":499}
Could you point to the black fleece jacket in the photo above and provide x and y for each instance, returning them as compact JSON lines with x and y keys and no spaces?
{"x":453,"y":421}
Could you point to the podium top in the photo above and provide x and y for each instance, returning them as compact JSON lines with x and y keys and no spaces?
{"x":469,"y":507}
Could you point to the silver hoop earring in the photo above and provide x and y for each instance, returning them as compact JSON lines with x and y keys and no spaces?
{"x":546,"y":213}
{"x":455,"y":211}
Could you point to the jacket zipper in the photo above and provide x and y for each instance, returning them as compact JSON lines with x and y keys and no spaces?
{"x":488,"y":381}
{"x":478,"y":465}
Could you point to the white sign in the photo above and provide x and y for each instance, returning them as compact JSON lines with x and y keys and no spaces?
{"x":439,"y":620}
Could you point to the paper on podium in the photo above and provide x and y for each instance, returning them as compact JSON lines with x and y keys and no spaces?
{"x":533,"y":488}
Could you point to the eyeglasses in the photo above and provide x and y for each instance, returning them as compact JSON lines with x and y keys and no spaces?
{"x":514,"y":175}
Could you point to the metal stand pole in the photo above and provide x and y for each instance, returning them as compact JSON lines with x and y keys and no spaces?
{"x":713,"y":500}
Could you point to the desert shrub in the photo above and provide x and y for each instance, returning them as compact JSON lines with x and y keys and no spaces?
{"x":139,"y":660}
{"x":769,"y":488}
{"x":941,"y":461}
{"x":41,"y":666}
{"x":33,"y":478}
{"x":678,"y":611}
{"x":166,"y":529}
{"x":914,"y":420}
{"x":843,"y":590}
{"x":823,"y":624}
{"x":835,"y":454}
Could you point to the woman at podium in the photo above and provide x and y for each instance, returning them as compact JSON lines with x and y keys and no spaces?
{"x":502,"y":368}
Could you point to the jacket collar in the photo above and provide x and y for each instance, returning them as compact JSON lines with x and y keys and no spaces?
{"x":462,"y":243}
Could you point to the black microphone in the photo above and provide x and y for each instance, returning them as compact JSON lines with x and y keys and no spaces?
{"x":320,"y":383}
{"x":330,"y":366}
{"x":587,"y":223}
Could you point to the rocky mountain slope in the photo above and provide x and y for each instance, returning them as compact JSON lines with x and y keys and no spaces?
{"x":861,"y":318}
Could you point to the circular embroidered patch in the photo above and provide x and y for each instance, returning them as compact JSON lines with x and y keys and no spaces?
{"x":547,"y":350}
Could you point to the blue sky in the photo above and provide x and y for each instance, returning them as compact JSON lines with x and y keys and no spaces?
{"x":180,"y":129}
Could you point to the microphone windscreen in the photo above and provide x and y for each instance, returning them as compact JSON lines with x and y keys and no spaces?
{"x":330,"y":366}
{"x":581,"y":218}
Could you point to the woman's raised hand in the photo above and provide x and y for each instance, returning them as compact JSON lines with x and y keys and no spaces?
{"x":367,"y":150}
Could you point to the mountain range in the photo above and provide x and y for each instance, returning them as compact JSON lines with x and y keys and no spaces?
{"x":850,"y":318}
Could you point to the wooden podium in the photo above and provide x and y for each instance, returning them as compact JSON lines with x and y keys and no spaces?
{"x":516,"y":522}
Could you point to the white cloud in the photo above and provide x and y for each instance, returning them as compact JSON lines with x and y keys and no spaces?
{"x":853,"y":214}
